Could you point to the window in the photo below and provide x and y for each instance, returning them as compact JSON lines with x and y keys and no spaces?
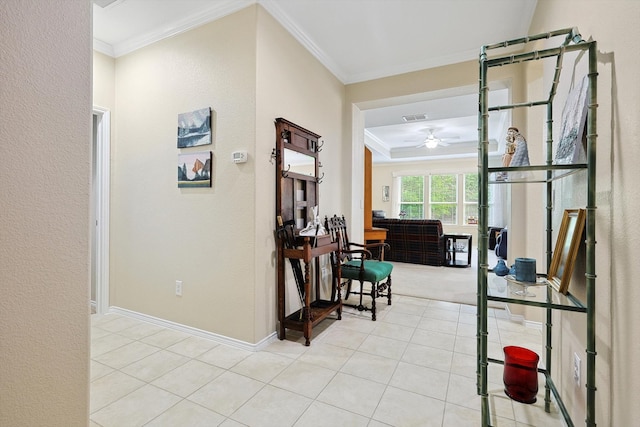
{"x":412,"y":197}
{"x":443,"y":198}
{"x":470,"y":198}
{"x":451,"y":198}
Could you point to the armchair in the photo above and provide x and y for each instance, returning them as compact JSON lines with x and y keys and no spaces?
{"x":356,"y":262}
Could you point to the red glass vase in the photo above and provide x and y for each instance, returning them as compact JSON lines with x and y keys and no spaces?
{"x":520,"y":374}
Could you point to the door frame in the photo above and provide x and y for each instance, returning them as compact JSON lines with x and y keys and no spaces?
{"x":101,"y":200}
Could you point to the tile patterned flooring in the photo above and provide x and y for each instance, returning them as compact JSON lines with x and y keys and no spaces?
{"x":414,"y":366}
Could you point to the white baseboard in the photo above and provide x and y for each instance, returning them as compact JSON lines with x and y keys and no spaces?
{"x":520,"y":319}
{"x":221,"y":339}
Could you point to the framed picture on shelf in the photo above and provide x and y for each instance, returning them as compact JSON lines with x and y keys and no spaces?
{"x":566,"y":249}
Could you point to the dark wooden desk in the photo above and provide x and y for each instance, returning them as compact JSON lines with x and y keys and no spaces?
{"x":312,"y":311}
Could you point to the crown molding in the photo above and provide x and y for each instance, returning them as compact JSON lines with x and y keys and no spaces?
{"x":297,"y":33}
{"x":219,"y":10}
{"x":103,"y":47}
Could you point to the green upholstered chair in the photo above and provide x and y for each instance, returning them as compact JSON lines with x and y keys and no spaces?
{"x":359,"y":262}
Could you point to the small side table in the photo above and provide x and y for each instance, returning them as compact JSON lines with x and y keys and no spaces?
{"x":457,"y":244}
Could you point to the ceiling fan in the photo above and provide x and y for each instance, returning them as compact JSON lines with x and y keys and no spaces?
{"x":431,"y":141}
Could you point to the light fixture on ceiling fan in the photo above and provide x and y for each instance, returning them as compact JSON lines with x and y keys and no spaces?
{"x":431,"y":141}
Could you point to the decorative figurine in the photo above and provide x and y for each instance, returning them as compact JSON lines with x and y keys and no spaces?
{"x":521,"y":153}
{"x":315,"y":227}
{"x":508,"y":151}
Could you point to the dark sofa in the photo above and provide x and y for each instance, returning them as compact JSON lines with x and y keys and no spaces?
{"x":415,"y":241}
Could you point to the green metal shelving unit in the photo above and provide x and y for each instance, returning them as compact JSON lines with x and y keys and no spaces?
{"x":546,"y":174}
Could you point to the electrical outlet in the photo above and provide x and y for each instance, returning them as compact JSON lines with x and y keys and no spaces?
{"x":576,"y":368}
{"x":179,"y":288}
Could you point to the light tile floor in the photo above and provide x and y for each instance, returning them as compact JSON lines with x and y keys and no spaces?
{"x":414,"y":366}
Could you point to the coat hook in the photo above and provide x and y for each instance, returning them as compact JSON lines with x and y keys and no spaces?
{"x":274,"y":156}
{"x":285,"y":173}
{"x":319,"y":146}
{"x":320,"y":179}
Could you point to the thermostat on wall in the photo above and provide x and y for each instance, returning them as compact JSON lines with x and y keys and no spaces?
{"x":239,"y":156}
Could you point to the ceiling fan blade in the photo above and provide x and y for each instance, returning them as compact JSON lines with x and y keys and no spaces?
{"x":443,"y":143}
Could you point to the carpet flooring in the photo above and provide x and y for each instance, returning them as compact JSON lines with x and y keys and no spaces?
{"x":452,"y":284}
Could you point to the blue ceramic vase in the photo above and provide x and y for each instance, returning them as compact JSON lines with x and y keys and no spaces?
{"x":501,"y":268}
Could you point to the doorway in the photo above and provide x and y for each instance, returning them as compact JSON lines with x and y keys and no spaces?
{"x":101,"y":160}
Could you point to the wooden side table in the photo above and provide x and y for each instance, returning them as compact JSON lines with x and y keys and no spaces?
{"x":455,"y":244}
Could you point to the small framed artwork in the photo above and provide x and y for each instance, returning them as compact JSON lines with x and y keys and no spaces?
{"x":566,"y":249}
{"x":385,"y":193}
{"x":194,"y":170}
{"x":194,"y":128}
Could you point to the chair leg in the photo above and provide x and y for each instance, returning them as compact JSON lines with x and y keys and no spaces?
{"x":389,"y":290}
{"x":374,"y":294}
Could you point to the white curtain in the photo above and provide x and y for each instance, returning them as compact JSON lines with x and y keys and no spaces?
{"x":395,"y":197}
{"x":497,"y":206}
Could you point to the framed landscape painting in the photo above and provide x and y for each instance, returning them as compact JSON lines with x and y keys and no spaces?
{"x":194,"y":170}
{"x":194,"y":128}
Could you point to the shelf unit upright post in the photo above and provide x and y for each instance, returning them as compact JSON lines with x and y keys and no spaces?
{"x":552,"y":300}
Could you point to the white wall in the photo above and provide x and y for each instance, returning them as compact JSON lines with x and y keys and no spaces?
{"x":45,"y":140}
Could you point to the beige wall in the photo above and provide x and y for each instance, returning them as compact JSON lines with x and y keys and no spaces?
{"x":613,"y":25}
{"x":104,"y":80}
{"x":45,"y":134}
{"x":159,"y":232}
{"x":293,"y":85}
{"x":218,"y":241}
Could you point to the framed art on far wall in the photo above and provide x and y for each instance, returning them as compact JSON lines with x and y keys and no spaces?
{"x":566,"y":249}
{"x":385,"y":193}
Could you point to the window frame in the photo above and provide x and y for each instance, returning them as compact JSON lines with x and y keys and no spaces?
{"x":462,"y":219}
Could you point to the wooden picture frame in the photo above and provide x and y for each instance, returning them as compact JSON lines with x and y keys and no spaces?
{"x":566,"y":249}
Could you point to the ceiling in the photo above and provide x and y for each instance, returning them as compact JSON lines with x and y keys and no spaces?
{"x":359,"y":40}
